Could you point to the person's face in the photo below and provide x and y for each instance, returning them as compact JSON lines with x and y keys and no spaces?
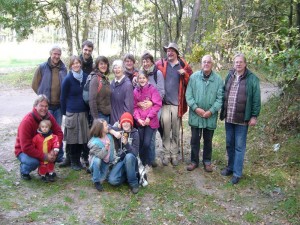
{"x":44,"y":128}
{"x":102,"y":66}
{"x":55,"y":56}
{"x":239,"y":64}
{"x":129,"y":64}
{"x":126,"y":126}
{"x":206,"y":64}
{"x":42,"y":108}
{"x":171,"y":54}
{"x":105,"y":127}
{"x":118,"y":71}
{"x":147,"y":64}
{"x":87,"y":52}
{"x":76,"y":66}
{"x":142,"y":80}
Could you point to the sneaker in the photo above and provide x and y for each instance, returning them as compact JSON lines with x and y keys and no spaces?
{"x":174,"y":161}
{"x":235,"y":180}
{"x":165,"y":161}
{"x":191,"y":167}
{"x":135,"y":190}
{"x":44,"y":179}
{"x":208,"y":168}
{"x":51,"y":177}
{"x":65,"y":163}
{"x":25,"y":176}
{"x":226,"y":172}
{"x":98,"y":186}
{"x":76,"y":166}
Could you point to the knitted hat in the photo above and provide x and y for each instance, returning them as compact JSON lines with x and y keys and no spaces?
{"x":126,"y":117}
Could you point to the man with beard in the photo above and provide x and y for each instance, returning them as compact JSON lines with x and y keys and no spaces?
{"x":86,"y":56}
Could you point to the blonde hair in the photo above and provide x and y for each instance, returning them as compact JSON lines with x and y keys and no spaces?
{"x":46,"y":122}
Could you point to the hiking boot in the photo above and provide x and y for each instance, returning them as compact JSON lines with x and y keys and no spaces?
{"x":165,"y":161}
{"x":174,"y":161}
{"x":191,"y":167}
{"x":226,"y":172}
{"x":154,"y":164}
{"x":65,"y":163}
{"x":98,"y":186}
{"x":25,"y":176}
{"x":208,"y":168}
{"x":135,"y":190}
{"x":76,"y":166}
{"x":235,"y":180}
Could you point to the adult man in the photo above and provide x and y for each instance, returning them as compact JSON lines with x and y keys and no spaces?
{"x":24,"y":149}
{"x":204,"y":96}
{"x":240,"y":110}
{"x":47,"y":80}
{"x":86,"y":57}
{"x":176,"y":73}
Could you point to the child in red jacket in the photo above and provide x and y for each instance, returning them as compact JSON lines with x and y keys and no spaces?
{"x":46,"y":142}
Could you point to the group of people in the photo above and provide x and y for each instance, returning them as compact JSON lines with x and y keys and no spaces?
{"x":122,"y":117}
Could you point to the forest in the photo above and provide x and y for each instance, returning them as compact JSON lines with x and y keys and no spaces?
{"x":266,"y":31}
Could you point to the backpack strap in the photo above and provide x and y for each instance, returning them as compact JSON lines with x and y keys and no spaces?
{"x":100,"y":83}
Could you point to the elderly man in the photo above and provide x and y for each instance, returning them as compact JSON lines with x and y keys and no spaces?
{"x":240,"y":109}
{"x":47,"y":80}
{"x":24,"y":149}
{"x":86,"y":57}
{"x":176,"y":72}
{"x":204,"y":96}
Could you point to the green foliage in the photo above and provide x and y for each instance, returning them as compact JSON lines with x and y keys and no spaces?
{"x":197,"y":53}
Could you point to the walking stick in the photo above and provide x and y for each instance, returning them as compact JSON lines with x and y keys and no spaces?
{"x":181,"y":139}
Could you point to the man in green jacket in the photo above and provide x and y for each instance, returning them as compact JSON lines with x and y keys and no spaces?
{"x":240,"y":109}
{"x":204,"y":96}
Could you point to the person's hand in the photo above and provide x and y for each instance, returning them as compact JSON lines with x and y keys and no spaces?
{"x":181,"y":72}
{"x":207,"y":114}
{"x":145,"y":104}
{"x":134,"y":81}
{"x":200,"y":112}
{"x":141,"y":122}
{"x":51,"y":157}
{"x":116,"y":134}
{"x":124,"y":140}
{"x":147,"y":121}
{"x":252,"y":121}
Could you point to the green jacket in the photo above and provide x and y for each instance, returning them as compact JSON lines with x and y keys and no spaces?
{"x":253,"y":101}
{"x":205,"y":94}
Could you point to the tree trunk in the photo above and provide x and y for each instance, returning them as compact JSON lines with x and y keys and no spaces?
{"x":193,"y":26}
{"x":86,"y":20}
{"x":99,"y":26}
{"x":68,"y":27}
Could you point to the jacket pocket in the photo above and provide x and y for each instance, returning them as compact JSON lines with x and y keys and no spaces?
{"x":70,"y":120}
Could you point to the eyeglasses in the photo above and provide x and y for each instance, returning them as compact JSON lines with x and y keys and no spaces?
{"x":206,"y":62}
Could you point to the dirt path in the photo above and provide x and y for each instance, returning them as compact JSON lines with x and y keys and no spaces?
{"x":16,"y":103}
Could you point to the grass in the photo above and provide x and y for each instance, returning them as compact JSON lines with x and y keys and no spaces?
{"x":21,"y":79}
{"x":21,"y":63}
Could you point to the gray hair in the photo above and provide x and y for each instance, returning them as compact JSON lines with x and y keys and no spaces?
{"x":55,"y":47}
{"x":118,"y":62}
{"x":240,"y":55}
{"x":39,"y":99}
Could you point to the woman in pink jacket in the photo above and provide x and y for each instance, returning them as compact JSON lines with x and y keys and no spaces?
{"x":146,"y":118}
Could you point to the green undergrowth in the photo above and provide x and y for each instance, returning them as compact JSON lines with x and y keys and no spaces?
{"x":19,"y":79}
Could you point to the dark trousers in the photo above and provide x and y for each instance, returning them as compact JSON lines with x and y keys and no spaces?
{"x":75,"y":152}
{"x":145,"y":134}
{"x":195,"y":144}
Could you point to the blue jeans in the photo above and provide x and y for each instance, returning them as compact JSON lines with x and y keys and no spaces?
{"x":103,"y":116}
{"x":236,"y":137}
{"x":99,"y":170}
{"x":124,"y":170}
{"x":146,"y":134}
{"x":56,"y":112}
{"x":28,"y":163}
{"x":207,"y":145}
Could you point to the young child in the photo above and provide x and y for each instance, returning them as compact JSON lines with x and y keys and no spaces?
{"x":101,"y":153}
{"x":127,"y":150}
{"x":147,"y":119}
{"x":46,"y":142}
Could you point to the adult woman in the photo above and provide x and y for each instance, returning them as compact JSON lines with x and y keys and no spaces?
{"x":75,"y":110}
{"x":122,"y":93}
{"x":99,"y":96}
